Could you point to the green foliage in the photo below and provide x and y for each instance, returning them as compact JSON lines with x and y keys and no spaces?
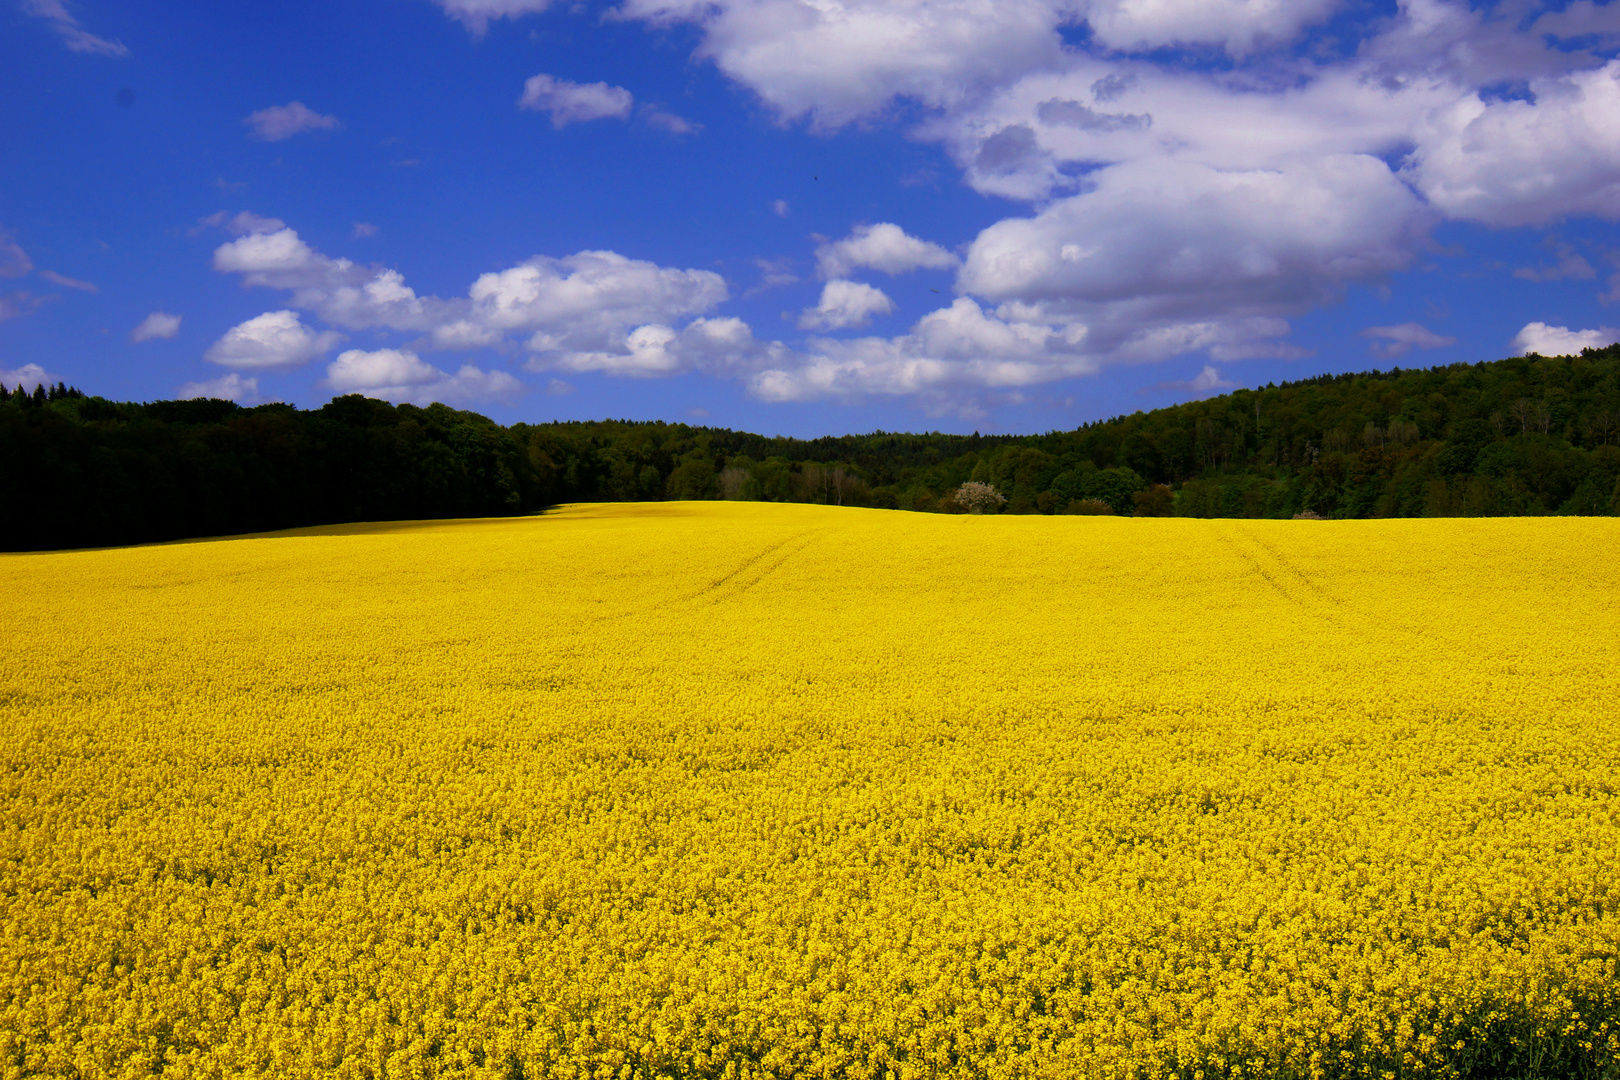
{"x":1527,"y":435}
{"x":84,"y":472}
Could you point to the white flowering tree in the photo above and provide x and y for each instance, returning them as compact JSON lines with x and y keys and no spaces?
{"x":976,"y":498}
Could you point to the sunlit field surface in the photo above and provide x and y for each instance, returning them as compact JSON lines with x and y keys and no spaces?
{"x":692,"y":790}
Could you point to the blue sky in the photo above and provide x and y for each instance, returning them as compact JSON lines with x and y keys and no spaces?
{"x":798,"y":217}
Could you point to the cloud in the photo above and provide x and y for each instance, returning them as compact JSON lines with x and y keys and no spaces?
{"x":569,"y":102}
{"x":1160,"y":247}
{"x":67,"y":282}
{"x":338,"y":290}
{"x":845,"y":304}
{"x":665,"y":121}
{"x":1538,"y":337}
{"x":276,"y":339}
{"x":28,"y":376}
{"x":592,"y":296}
{"x":1061,"y":112}
{"x":158,"y":325}
{"x":953,"y":357}
{"x":362,"y":230}
{"x":1571,"y":265}
{"x":284,"y":121}
{"x":1203,"y":384}
{"x":1582,"y":20}
{"x":14,"y":261}
{"x":76,"y":37}
{"x":232,"y":387}
{"x":951,"y":349}
{"x":582,"y":306}
{"x":882,"y":247}
{"x":240,"y":224}
{"x":279,"y":259}
{"x":650,"y":350}
{"x":400,"y":375}
{"x":1239,"y":27}
{"x":20,"y":302}
{"x":476,"y":15}
{"x":1527,"y":162}
{"x":780,"y":207}
{"x":723,"y":347}
{"x":773,"y":274}
{"x":1393,"y":342}
{"x":839,"y":62}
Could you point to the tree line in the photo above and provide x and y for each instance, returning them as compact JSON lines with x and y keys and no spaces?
{"x":1527,"y":435}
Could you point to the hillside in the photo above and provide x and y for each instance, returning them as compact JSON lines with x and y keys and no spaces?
{"x":1523,"y":436}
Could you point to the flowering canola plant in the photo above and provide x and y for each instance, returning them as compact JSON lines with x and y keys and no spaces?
{"x":747,"y":790}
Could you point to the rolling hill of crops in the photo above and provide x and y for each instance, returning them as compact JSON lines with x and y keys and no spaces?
{"x":747,"y":789}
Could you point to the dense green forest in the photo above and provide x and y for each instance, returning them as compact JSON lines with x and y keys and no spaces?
{"x":1528,"y":435}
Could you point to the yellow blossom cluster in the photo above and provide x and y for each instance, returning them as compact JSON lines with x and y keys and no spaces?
{"x":750,"y":790}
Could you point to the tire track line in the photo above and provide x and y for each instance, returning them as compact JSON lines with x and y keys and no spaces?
{"x":769,"y":570}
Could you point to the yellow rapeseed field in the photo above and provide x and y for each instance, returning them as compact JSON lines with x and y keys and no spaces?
{"x":742,"y":790}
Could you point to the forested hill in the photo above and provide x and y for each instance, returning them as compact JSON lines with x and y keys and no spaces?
{"x":1529,"y":435}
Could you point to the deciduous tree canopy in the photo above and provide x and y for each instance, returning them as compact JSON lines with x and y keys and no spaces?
{"x":1528,"y":435}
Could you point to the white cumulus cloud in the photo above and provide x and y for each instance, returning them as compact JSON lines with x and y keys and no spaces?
{"x":724,"y":346}
{"x":159,"y":325}
{"x":837,"y":62}
{"x":845,"y":304}
{"x":1155,"y":246}
{"x":28,"y":376}
{"x":884,"y":247}
{"x":284,"y":121}
{"x":400,"y":375}
{"x":954,"y":348}
{"x":276,"y":339}
{"x":589,"y":298}
{"x":570,"y":102}
{"x":1524,"y":162}
{"x":1538,"y":337}
{"x":580,"y":303}
{"x":338,"y":290}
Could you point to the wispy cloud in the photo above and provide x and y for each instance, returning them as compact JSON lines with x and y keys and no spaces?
{"x":1571,"y":265}
{"x":1393,"y":342}
{"x":232,"y":387}
{"x":14,"y":261}
{"x":668,"y":121}
{"x":20,"y":302}
{"x":67,"y":282}
{"x":74,"y":36}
